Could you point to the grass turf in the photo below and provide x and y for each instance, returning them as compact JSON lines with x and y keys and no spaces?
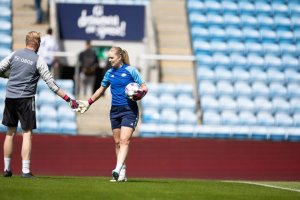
{"x":72,"y":188}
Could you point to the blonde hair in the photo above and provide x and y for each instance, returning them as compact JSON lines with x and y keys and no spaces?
{"x":33,"y":39}
{"x":123,"y":53}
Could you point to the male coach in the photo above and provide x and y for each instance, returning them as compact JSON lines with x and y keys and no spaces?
{"x":25,"y":68}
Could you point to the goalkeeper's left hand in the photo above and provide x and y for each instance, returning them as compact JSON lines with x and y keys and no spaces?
{"x":138,"y":95}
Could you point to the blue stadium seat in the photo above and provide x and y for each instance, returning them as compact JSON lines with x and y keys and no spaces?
{"x":167,"y":88}
{"x":187,"y":116}
{"x":168,"y":116}
{"x":280,"y":104}
{"x":217,"y":32}
{"x":279,"y":7}
{"x":209,"y":103}
{"x":6,"y":27}
{"x":167,"y":101}
{"x":295,"y":21}
{"x":231,"y":19}
{"x":186,"y":130}
{"x":47,"y":112}
{"x":271,"y":48}
{"x":205,"y":73}
{"x":197,"y":19}
{"x":247,"y":118}
{"x":254,"y":47}
{"x":283,"y":119}
{"x":248,"y":20}
{"x":242,"y":88}
{"x":227,"y":103}
{"x":289,"y":61}
{"x":66,"y":84}
{"x":240,"y":74}
{"x":214,"y":19}
{"x":184,"y":89}
{"x":250,"y":33}
{"x":260,"y":89}
{"x":240,"y":132}
{"x":212,"y":5}
{"x":259,"y":133}
{"x":5,"y":41}
{"x":235,"y":46}
{"x":295,"y":105}
{"x":282,"y":21}
{"x":275,"y":75}
{"x":265,"y":21}
{"x":238,"y":59}
{"x":223,"y":73}
{"x":167,"y":130}
{"x":257,"y":74}
{"x":218,"y":46}
{"x":246,"y":6}
{"x":205,"y":131}
{"x":65,"y":113}
{"x":296,"y":119}
{"x":268,"y":35}
{"x":224,"y":88}
{"x":150,"y":115}
{"x":229,"y":118}
{"x":186,"y":102}
{"x":235,"y":33}
{"x":291,"y":75}
{"x":263,"y":7}
{"x":150,"y":101}
{"x":284,"y":35}
{"x":207,"y":88}
{"x":245,"y":104}
{"x":221,"y":59}
{"x":67,"y":127}
{"x":288,"y":48}
{"x":46,"y":97}
{"x":204,"y":59}
{"x":277,"y":90}
{"x":202,"y":46}
{"x":277,"y":133}
{"x":211,"y":118}
{"x":273,"y":61}
{"x":199,"y":32}
{"x":148,"y":130}
{"x":293,"y":90}
{"x":262,"y":104}
{"x":48,"y":126}
{"x":292,"y":134}
{"x":264,"y":118}
{"x":229,"y":6}
{"x":195,"y":5}
{"x":255,"y":60}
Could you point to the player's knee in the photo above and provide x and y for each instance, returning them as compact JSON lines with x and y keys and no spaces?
{"x":124,"y":142}
{"x":117,"y":144}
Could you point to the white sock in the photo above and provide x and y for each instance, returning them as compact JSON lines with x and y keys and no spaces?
{"x":7,"y":164}
{"x":26,"y":166}
{"x":123,"y":171}
{"x":118,"y":167}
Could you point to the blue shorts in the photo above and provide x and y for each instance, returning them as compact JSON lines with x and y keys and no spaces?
{"x":124,"y":116}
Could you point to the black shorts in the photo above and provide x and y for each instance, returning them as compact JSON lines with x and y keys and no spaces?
{"x":124,"y":116}
{"x":23,"y":110}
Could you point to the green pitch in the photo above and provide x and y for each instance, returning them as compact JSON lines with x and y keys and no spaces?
{"x":73,"y":188}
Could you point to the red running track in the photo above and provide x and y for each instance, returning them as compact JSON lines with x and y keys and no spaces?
{"x":163,"y":157}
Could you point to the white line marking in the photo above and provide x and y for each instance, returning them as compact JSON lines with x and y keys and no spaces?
{"x":264,"y":185}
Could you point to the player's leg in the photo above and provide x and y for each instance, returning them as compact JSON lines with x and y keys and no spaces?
{"x":8,"y":150}
{"x":26,"y":153}
{"x":126,"y":133}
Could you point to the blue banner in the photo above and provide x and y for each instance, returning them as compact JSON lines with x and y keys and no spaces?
{"x":101,"y":22}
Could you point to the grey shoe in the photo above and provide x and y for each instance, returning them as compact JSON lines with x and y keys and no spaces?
{"x":115,"y":175}
{"x":27,"y":175}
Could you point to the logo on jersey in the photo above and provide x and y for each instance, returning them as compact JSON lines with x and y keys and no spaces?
{"x":123,"y":75}
{"x":112,"y":76}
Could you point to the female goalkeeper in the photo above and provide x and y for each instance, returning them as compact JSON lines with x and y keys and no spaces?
{"x":124,"y":112}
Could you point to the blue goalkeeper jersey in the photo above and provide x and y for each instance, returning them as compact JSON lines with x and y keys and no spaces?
{"x":118,"y":79}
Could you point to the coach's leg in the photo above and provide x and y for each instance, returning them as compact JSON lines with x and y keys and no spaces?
{"x":8,"y":147}
{"x":26,"y":150}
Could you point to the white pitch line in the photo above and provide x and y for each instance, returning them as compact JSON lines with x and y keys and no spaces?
{"x":264,"y":185}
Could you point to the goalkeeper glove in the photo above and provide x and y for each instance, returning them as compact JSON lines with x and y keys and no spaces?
{"x":84,"y":105}
{"x":138,"y":95}
{"x":73,"y":103}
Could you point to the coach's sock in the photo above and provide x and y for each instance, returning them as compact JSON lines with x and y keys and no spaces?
{"x":7,"y":164}
{"x":26,"y":166}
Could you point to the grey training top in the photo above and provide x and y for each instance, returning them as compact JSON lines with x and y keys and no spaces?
{"x":26,"y":67}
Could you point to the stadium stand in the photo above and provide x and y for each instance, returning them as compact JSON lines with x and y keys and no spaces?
{"x":247,"y":67}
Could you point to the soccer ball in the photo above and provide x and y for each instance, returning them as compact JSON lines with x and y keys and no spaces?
{"x":131,"y":89}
